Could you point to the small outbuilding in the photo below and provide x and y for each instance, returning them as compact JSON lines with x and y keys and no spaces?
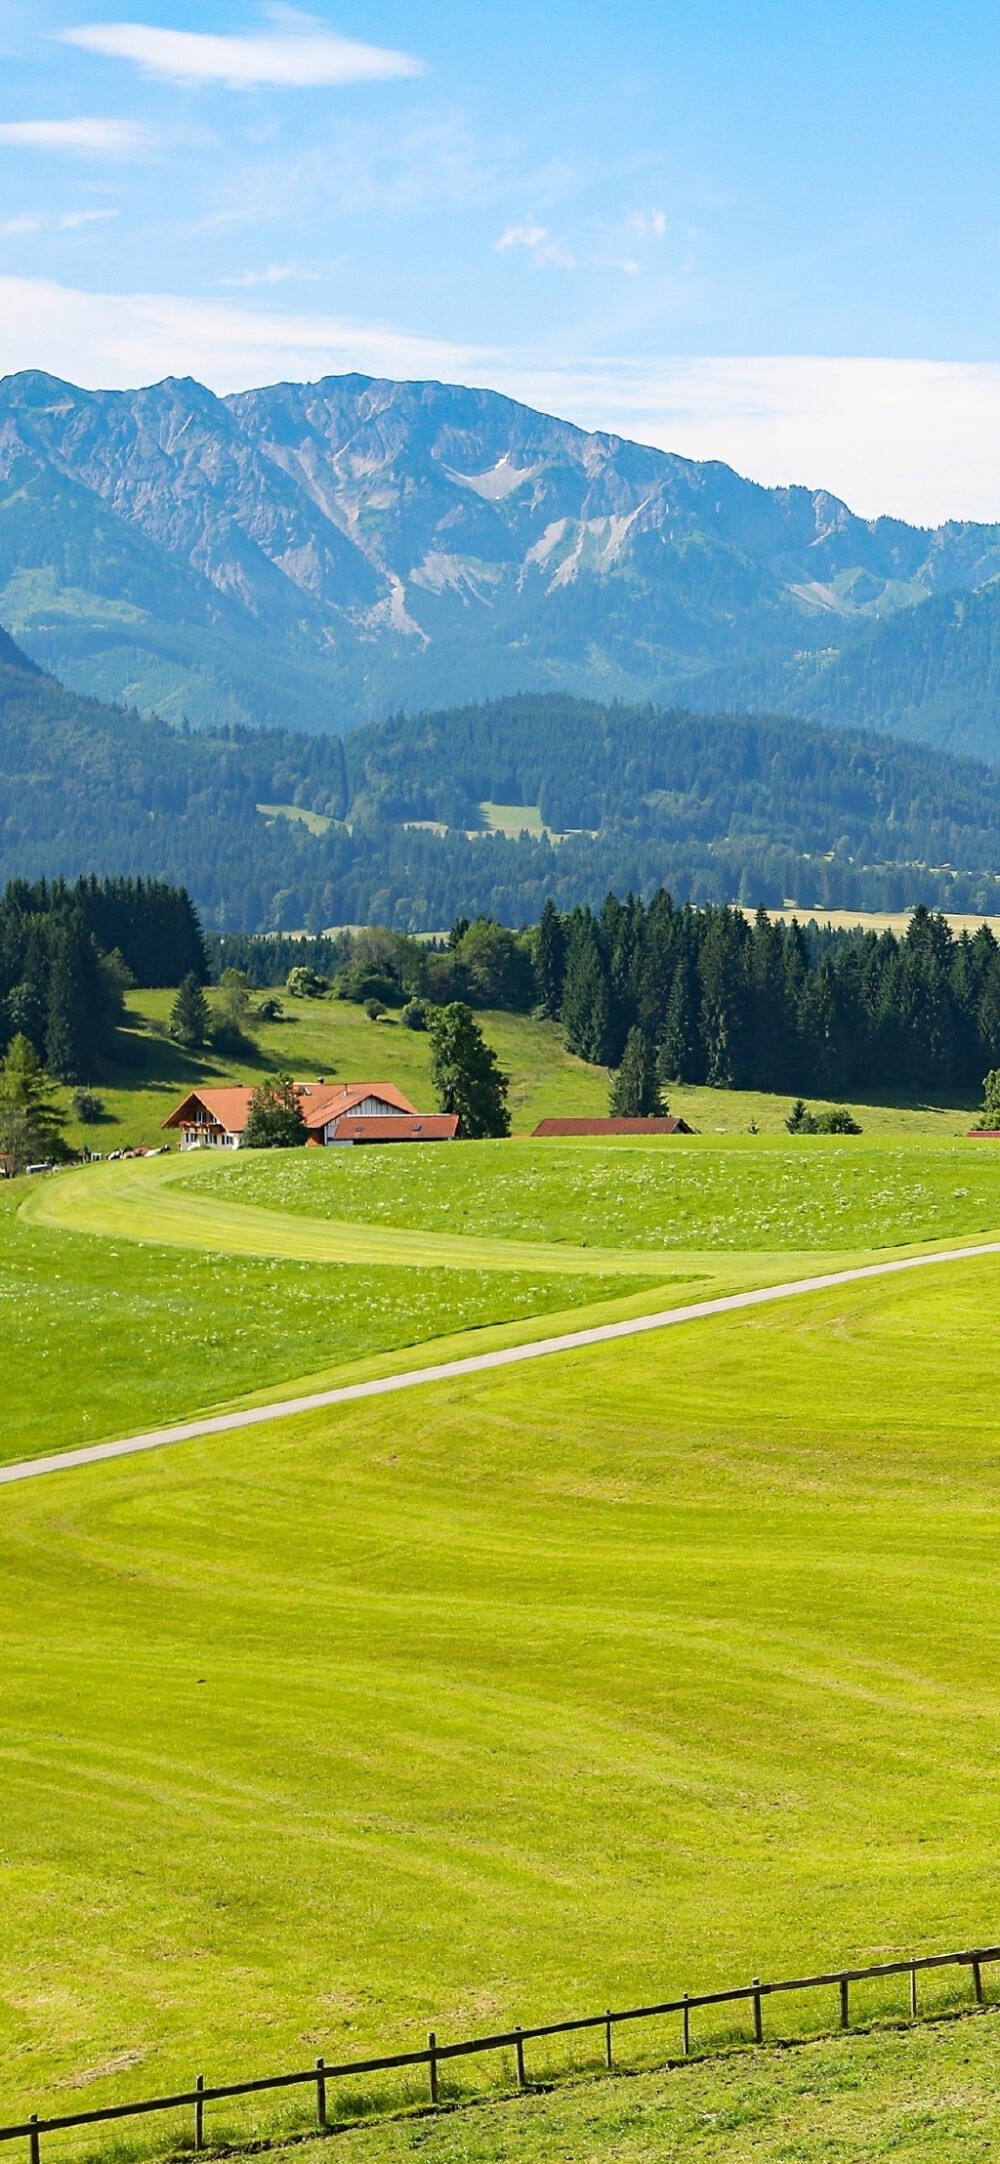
{"x":666,"y":1125}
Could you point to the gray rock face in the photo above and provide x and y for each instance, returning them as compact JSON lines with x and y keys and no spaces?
{"x":318,"y":553}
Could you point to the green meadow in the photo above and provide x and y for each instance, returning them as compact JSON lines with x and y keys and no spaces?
{"x":889,"y":2095}
{"x":643,"y":1668}
{"x":647,"y":1667}
{"x":756,"y":1192}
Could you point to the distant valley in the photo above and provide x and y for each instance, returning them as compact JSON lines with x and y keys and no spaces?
{"x":315,"y":556}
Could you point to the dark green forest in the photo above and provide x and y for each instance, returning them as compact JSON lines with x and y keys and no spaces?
{"x":68,"y":953}
{"x":772,"y":1006}
{"x":719,"y":807}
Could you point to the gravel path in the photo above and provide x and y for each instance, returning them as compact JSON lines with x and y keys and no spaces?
{"x":481,"y":1363}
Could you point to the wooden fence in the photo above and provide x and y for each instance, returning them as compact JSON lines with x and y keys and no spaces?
{"x":437,"y":2055}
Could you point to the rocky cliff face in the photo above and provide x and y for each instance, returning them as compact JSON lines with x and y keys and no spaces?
{"x":318,"y":553}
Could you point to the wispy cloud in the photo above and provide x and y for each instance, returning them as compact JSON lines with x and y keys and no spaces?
{"x":108,"y":340}
{"x":277,"y":274}
{"x":647,"y":224}
{"x":68,"y":221}
{"x":303,"y":60}
{"x":86,"y":138}
{"x":540,"y":244}
{"x":917,"y":439}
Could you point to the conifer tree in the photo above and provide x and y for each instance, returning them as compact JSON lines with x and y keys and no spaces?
{"x":30,"y":1121}
{"x":189,"y":1016}
{"x":550,"y":961}
{"x":635,"y":1090}
{"x":586,"y":1002}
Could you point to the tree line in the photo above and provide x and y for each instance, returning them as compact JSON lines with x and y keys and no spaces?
{"x":67,"y":955}
{"x":763,"y":1004}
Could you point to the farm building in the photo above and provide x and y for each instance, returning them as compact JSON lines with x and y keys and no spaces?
{"x":665,"y":1126}
{"x":342,"y":1112}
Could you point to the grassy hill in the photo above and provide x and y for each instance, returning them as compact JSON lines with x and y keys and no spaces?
{"x":632,"y":1672}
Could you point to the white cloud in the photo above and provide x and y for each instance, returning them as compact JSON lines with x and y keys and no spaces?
{"x":276,"y":274}
{"x":302,"y":60}
{"x":105,"y":340}
{"x":88,"y":138}
{"x":647,"y":224}
{"x":919,"y":440}
{"x":528,"y":235}
{"x":539,"y":242}
{"x":69,"y":221}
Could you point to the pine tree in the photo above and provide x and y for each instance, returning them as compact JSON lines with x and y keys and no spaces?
{"x":680,"y":1048}
{"x":189,"y":1015}
{"x":635,"y":1090}
{"x":30,"y":1122}
{"x":586,"y":1002}
{"x":466,"y":1073}
{"x":550,"y":961}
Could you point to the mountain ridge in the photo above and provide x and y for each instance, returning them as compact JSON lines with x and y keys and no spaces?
{"x":323,"y":553}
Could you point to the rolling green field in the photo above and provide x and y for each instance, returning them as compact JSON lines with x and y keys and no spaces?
{"x":103,"y":1337}
{"x":753,"y":1193}
{"x":930,"y":2092}
{"x":645,"y":1668}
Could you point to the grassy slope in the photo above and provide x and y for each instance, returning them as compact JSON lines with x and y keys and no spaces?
{"x":644,"y":1669}
{"x":903,"y":2095}
{"x":334,"y":1038}
{"x":747,"y":1193}
{"x":104,"y":1336}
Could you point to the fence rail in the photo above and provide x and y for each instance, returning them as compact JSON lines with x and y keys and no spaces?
{"x":435,"y":2055}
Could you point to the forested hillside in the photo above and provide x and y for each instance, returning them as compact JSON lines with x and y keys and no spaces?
{"x":67,"y":953}
{"x":396,"y":827}
{"x":931,"y":674}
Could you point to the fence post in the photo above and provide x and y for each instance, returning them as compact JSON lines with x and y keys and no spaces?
{"x":913,"y":1991}
{"x":432,"y":2048}
{"x":758,"y":2017}
{"x":607,"y":2042}
{"x":320,"y":2093}
{"x":977,"y":1982}
{"x":519,"y":2049}
{"x":199,"y":2116}
{"x":33,"y":2139}
{"x":687,"y":2027}
{"x":844,"y":2006}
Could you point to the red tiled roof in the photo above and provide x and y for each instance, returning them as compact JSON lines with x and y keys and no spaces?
{"x":228,"y":1108}
{"x":384,"y":1127}
{"x":321,"y":1101}
{"x":664,"y":1126}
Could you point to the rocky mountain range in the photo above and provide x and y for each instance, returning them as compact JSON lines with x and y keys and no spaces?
{"x":316,"y":555}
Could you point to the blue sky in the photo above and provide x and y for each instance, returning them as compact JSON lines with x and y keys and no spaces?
{"x":766,"y":231}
